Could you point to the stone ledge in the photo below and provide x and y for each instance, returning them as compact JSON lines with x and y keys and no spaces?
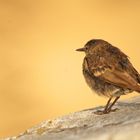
{"x":124,"y":124}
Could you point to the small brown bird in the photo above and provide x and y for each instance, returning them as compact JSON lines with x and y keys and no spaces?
{"x":108,"y":71}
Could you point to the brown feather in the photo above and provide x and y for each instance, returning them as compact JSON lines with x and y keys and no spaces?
{"x":114,"y":67}
{"x":120,"y":79}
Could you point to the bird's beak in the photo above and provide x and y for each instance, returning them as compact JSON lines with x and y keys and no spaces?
{"x":80,"y":49}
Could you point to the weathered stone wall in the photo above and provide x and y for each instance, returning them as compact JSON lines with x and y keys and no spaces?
{"x":124,"y":124}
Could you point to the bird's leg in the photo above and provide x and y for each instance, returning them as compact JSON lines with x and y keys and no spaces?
{"x":109,"y":108}
{"x":105,"y":111}
{"x":106,"y":107}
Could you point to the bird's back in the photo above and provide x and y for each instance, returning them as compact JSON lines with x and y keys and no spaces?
{"x":109,"y":66}
{"x":114,"y":58}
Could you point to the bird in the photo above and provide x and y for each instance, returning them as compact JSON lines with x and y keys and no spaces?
{"x":108,"y":72}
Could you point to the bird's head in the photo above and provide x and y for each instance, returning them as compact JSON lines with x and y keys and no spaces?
{"x":91,"y":45}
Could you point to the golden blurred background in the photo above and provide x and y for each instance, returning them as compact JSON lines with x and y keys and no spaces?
{"x":40,"y":71}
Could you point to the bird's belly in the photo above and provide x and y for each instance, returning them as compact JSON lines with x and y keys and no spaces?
{"x":103,"y":88}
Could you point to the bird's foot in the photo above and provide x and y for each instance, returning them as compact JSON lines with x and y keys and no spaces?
{"x":101,"y":112}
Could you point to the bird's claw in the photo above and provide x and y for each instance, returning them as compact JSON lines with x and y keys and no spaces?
{"x":101,"y":112}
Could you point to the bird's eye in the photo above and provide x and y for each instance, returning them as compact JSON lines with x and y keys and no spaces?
{"x":94,"y":42}
{"x":86,"y":48}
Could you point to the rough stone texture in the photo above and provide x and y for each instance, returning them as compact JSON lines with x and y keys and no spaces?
{"x":124,"y":124}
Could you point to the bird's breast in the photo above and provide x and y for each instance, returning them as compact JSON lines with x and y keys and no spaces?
{"x":98,"y":85}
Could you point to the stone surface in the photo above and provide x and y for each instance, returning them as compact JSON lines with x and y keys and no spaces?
{"x":124,"y":124}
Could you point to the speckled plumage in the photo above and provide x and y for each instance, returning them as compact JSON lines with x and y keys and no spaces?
{"x":107,"y":70}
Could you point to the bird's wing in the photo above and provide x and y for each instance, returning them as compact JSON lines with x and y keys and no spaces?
{"x":134,"y":71}
{"x":113,"y":74}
